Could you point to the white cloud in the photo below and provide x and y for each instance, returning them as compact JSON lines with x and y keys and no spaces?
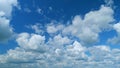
{"x":58,"y":41}
{"x":6,"y":6}
{"x":38,"y":28}
{"x":67,"y":47}
{"x":99,"y":53}
{"x":115,"y":39}
{"x":31,"y":42}
{"x":5,"y":13}
{"x":51,"y":28}
{"x":77,"y":51}
{"x":73,"y":56}
{"x":94,"y":22}
{"x":117,"y":27}
{"x":29,"y":54}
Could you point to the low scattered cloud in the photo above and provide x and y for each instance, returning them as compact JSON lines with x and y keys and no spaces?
{"x":52,"y":28}
{"x":116,"y":39}
{"x":88,"y":29}
{"x":72,"y":56}
{"x":64,"y":46}
{"x":38,"y":28}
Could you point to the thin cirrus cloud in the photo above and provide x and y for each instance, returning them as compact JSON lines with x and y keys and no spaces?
{"x":61,"y":49}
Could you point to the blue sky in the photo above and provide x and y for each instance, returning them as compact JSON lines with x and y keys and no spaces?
{"x":59,"y":34}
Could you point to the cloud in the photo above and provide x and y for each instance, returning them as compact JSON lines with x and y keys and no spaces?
{"x":88,"y":29}
{"x":116,"y":27}
{"x":72,"y":56}
{"x":31,"y":42}
{"x":115,"y":39}
{"x":5,"y":29}
{"x":64,"y":46}
{"x":5,"y":13}
{"x":37,"y":28}
{"x":52,"y":28}
{"x":6,"y":6}
{"x":102,"y":50}
{"x":61,"y":41}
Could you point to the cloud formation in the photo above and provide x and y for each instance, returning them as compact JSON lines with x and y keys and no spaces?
{"x":65,"y":46}
{"x":72,"y":56}
{"x":5,"y":13}
{"x":88,"y":29}
{"x":116,"y":39}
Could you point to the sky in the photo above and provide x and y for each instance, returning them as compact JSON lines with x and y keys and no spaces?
{"x":59,"y":34}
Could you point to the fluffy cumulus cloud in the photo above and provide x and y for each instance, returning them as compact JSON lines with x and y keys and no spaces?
{"x":64,"y":46}
{"x":51,"y":28}
{"x":5,"y":13}
{"x":31,"y":42}
{"x":88,"y":29}
{"x":116,"y":39}
{"x":72,"y":56}
{"x":37,"y":28}
{"x":60,"y":41}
